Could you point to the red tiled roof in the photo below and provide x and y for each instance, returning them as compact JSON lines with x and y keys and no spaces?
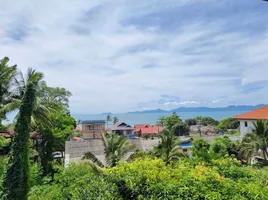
{"x":260,"y":113}
{"x":142,"y":125}
{"x":149,"y":130}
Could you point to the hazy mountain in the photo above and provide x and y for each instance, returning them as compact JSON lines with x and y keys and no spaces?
{"x":204,"y":109}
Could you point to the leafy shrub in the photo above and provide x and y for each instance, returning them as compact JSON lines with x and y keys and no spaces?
{"x":191,"y":122}
{"x":181,"y":129}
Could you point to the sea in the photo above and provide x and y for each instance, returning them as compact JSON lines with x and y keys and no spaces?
{"x":151,"y":118}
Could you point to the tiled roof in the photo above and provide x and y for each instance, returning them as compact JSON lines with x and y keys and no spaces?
{"x":260,"y":113}
{"x":149,"y":130}
{"x":142,"y":125}
{"x":93,"y":122}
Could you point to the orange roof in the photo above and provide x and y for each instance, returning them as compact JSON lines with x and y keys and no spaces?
{"x":142,"y":125}
{"x":260,"y":113}
{"x":149,"y":130}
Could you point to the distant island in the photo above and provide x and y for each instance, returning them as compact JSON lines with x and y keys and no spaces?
{"x":202,"y":109}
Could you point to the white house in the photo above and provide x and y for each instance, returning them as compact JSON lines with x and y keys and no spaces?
{"x":247,"y":119}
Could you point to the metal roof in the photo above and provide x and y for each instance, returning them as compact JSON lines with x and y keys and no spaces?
{"x":93,"y":122}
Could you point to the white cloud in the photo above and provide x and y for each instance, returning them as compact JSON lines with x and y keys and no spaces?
{"x":174,"y":103}
{"x":111,"y":64}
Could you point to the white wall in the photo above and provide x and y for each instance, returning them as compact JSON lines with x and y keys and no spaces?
{"x":243,"y":129}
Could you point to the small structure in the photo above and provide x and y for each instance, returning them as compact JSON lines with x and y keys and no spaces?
{"x":92,"y":129}
{"x":247,"y":119}
{"x":121,"y":128}
{"x":147,"y":129}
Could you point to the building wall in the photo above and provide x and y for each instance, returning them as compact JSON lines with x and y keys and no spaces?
{"x":92,"y":130}
{"x":243,"y":129}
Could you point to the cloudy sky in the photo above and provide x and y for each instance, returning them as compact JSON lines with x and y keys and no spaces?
{"x":125,"y":55}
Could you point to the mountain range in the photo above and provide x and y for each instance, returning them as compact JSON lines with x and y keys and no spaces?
{"x":203,"y":109}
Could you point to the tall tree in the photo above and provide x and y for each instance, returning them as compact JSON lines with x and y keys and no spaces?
{"x":255,"y":141}
{"x":108,"y":119}
{"x":15,"y":178}
{"x":47,"y":99}
{"x":170,"y":121}
{"x":115,"y":149}
{"x":168,"y":148}
{"x":115,"y":120}
{"x":7,"y":75}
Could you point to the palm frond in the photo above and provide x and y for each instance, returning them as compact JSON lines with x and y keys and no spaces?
{"x":93,"y":159}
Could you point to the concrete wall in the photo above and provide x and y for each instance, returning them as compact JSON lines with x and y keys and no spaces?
{"x":243,"y":129}
{"x":75,"y":150}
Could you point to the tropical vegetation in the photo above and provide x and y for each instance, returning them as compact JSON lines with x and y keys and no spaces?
{"x":115,"y":149}
{"x":216,"y":170}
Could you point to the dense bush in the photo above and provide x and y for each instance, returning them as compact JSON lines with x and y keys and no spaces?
{"x":181,"y":129}
{"x":228,"y":123}
{"x":190,"y":122}
{"x":76,"y":182}
{"x":206,"y":121}
{"x":152,"y":179}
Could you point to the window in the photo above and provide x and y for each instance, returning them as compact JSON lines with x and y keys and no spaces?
{"x":246,"y":124}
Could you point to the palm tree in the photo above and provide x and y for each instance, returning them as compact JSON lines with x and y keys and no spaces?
{"x":256,"y":141}
{"x":115,"y":149}
{"x":7,"y":76}
{"x":108,"y":119}
{"x":168,"y":148}
{"x":115,"y":120}
{"x":42,"y":106}
{"x":18,"y":162}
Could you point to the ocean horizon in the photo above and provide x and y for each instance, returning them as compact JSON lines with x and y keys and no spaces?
{"x":151,"y":118}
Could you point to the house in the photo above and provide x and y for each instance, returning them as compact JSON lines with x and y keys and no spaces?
{"x":147,"y":129}
{"x":121,"y":128}
{"x":247,"y":119}
{"x":92,"y":129}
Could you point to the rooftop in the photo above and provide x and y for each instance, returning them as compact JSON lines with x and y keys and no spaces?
{"x":93,"y":122}
{"x":260,"y":113}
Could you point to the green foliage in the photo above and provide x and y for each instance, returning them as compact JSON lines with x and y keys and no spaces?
{"x":206,"y":121}
{"x":7,"y":74}
{"x":168,"y":148}
{"x":228,"y":123}
{"x":108,"y":119}
{"x":200,"y":149}
{"x":139,"y":154}
{"x":115,"y":120}
{"x":17,"y":165}
{"x":77,"y":182}
{"x":181,"y":129}
{"x":63,"y":126}
{"x":171,"y":121}
{"x":255,"y":141}
{"x":147,"y":178}
{"x":4,"y":142}
{"x":35,"y":174}
{"x":78,"y":133}
{"x":147,"y":136}
{"x":152,"y":179}
{"x":191,"y":122}
{"x":115,"y":149}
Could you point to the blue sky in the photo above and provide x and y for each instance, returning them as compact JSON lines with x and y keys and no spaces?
{"x":125,"y":55}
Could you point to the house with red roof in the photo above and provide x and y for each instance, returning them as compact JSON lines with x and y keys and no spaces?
{"x":147,"y":129}
{"x":247,"y":119}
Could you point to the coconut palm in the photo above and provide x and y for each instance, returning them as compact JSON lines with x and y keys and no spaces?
{"x":42,"y":106}
{"x":115,"y":149}
{"x":168,"y":148}
{"x":7,"y":76}
{"x":108,"y":119}
{"x":115,"y":120}
{"x":256,"y":141}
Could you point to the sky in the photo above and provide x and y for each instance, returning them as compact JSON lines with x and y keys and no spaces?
{"x":126,"y":55}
